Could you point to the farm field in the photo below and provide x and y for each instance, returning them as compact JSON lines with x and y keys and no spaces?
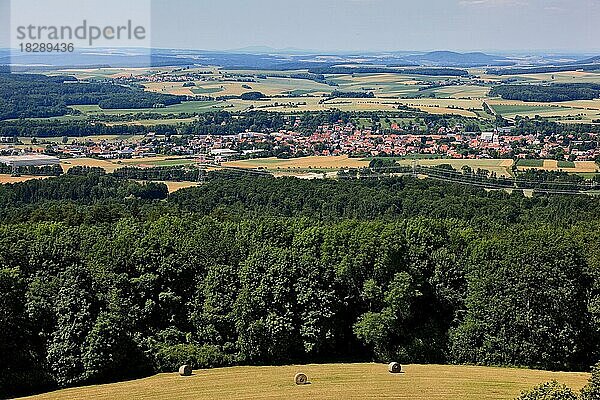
{"x":569,"y":111}
{"x":175,"y":186}
{"x":85,"y":73}
{"x":334,"y":381}
{"x":154,"y":122}
{"x":580,"y":167}
{"x":6,"y":178}
{"x":111,"y":165}
{"x":549,"y":77}
{"x":70,"y":139}
{"x":458,"y":96}
{"x":299,"y":104}
{"x":186,"y":107}
{"x":499,"y":166}
{"x":304,"y":163}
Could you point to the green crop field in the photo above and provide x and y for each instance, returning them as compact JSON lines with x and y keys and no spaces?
{"x":530,"y":163}
{"x":186,"y":107}
{"x":566,"y":164}
{"x":516,"y":109}
{"x":334,"y":381}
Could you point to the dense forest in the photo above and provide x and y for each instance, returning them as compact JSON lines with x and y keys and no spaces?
{"x":32,"y":96}
{"x":352,"y":95}
{"x":104,"y":279}
{"x":550,"y":93}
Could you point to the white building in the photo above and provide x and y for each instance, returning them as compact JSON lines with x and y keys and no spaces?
{"x":29,"y":160}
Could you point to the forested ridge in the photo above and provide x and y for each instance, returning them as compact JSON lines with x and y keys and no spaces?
{"x":548,"y":93}
{"x":33,"y":95}
{"x":104,"y":279}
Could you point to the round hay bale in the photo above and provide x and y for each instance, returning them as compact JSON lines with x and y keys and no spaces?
{"x":301,"y":379}
{"x":395,"y":368}
{"x":185,"y":370}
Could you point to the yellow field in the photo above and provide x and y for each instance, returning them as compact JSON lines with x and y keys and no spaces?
{"x":580,"y":167}
{"x":390,"y":91}
{"x":335,"y":382}
{"x":298,"y":104}
{"x":175,"y":186}
{"x":16,"y":179}
{"x":500,"y":167}
{"x":111,"y":165}
{"x":313,"y":162}
{"x":107,"y":165}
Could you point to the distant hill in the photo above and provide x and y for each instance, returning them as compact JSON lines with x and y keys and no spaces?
{"x":450,"y":58}
{"x":592,"y":60}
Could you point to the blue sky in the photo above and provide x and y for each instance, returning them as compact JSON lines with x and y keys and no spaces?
{"x":376,"y":25}
{"x":379,"y":24}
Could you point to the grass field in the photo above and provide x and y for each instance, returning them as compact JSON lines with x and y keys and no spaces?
{"x":566,"y":164}
{"x":335,"y":382}
{"x":186,"y":107}
{"x":583,"y":111}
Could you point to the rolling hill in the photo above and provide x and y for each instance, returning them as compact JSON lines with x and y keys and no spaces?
{"x":333,"y":381}
{"x":450,"y":58}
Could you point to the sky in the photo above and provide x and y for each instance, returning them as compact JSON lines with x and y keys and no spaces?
{"x":369,"y":25}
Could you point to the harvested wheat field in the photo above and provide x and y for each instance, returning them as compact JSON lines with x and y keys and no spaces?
{"x":108,"y":166}
{"x":334,"y":381}
{"x":4,"y":178}
{"x":175,"y":186}
{"x":111,"y":165}
{"x":312,"y":162}
{"x":580,"y":167}
{"x":502,"y":167}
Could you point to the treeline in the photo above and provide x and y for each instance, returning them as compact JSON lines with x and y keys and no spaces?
{"x":46,"y":170}
{"x":543,"y":70}
{"x":31,"y":96}
{"x":383,"y":70}
{"x":104,"y":279}
{"x":175,"y":174}
{"x":54,"y":128}
{"x":352,"y":95}
{"x":252,"y":96}
{"x":320,"y":78}
{"x":550,"y":93}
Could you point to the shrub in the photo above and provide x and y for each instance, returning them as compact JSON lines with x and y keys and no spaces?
{"x":171,"y":357}
{"x":549,"y":391}
{"x":591,"y":391}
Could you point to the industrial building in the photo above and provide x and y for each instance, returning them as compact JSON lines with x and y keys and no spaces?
{"x":29,"y":160}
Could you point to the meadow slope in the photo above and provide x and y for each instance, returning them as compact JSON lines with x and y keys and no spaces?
{"x":333,"y":381}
